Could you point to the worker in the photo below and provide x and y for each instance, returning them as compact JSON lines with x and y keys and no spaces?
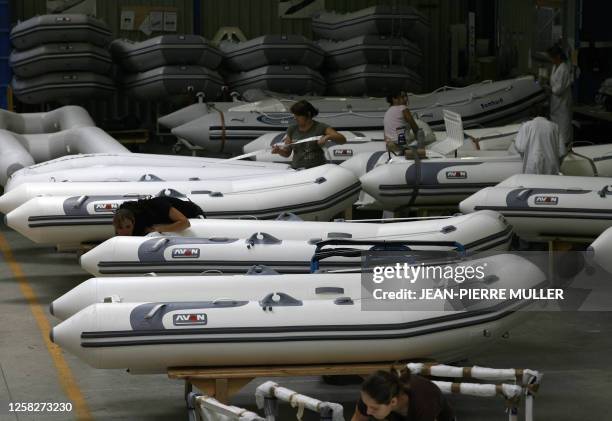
{"x":395,"y":396}
{"x":539,"y":144}
{"x":159,"y":214}
{"x":397,"y":116}
{"x":308,"y":154}
{"x":560,"y":91}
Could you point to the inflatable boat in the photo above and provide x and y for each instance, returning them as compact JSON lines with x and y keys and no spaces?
{"x":152,"y":336}
{"x":479,"y":104}
{"x":63,"y":28}
{"x":291,"y":79}
{"x":373,"y":79}
{"x":370,"y":49}
{"x":114,"y":173}
{"x":85,"y":210}
{"x":19,"y":151}
{"x":376,"y":20}
{"x":271,"y":49}
{"x":62,"y":87}
{"x":48,"y":58}
{"x":168,"y":81}
{"x":85,"y":161}
{"x":165,"y":50}
{"x":165,"y":255}
{"x":540,"y":206}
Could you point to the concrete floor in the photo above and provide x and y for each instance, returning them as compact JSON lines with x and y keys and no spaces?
{"x":571,"y":349}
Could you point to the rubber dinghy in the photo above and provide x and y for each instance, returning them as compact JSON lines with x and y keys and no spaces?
{"x":485,"y":103}
{"x":191,"y":255}
{"x":59,"y":28}
{"x":113,"y":173}
{"x":271,"y":49}
{"x":60,"y":213}
{"x":224,"y":331}
{"x":164,"y":50}
{"x":62,"y":87}
{"x":46,"y":58}
{"x":375,"y":20}
{"x":447,"y":181}
{"x":538,"y":207}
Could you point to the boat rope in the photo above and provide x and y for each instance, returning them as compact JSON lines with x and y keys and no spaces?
{"x":223,"y":131}
{"x":588,"y":159}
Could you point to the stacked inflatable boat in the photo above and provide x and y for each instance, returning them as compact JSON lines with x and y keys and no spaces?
{"x":169,"y":65}
{"x":278,"y":63}
{"x":60,"y":58}
{"x":368,"y":53}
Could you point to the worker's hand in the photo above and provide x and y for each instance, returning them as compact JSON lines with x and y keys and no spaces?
{"x":323,"y":140}
{"x":276,"y":149}
{"x":288,"y":141}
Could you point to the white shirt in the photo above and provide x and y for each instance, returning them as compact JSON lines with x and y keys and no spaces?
{"x":394,"y":118}
{"x":561,"y":101}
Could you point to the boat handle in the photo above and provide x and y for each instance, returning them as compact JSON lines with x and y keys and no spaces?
{"x":603,"y":192}
{"x":159,"y":243}
{"x":80,"y":201}
{"x":154,"y":310}
{"x":211,"y":271}
{"x":329,"y":290}
{"x":150,"y":274}
{"x":248,"y":217}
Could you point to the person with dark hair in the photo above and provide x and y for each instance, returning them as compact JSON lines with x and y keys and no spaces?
{"x":308,"y":154}
{"x":401,"y":396}
{"x":560,"y":91}
{"x":159,"y":214}
{"x":397,"y":116}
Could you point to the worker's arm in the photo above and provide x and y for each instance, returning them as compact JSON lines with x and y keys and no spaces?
{"x":179,"y":223}
{"x":411,"y":122}
{"x":283,"y":151}
{"x":561,"y":82}
{"x":332,"y":134}
{"x":358,"y":416}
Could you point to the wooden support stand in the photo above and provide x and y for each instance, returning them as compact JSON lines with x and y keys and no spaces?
{"x":223,"y":383}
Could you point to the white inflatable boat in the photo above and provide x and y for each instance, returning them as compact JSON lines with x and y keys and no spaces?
{"x":447,"y":181}
{"x":192,"y":255}
{"x":541,"y":206}
{"x":483,"y":103}
{"x":86,"y":209}
{"x":114,"y":173}
{"x":225,"y":331}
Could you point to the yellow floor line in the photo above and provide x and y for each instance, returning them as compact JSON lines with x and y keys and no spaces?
{"x":63,"y":371}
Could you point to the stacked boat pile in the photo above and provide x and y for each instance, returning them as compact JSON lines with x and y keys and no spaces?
{"x":371,"y":51}
{"x":278,"y":63}
{"x":61,"y":58}
{"x":168,"y":65}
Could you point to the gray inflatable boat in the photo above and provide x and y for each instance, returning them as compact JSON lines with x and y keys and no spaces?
{"x":402,"y":21}
{"x":47,"y":29}
{"x":165,"y":50}
{"x":62,"y":87}
{"x":370,"y":49}
{"x":48,"y":58}
{"x":271,"y":49}
{"x":374,"y":80}
{"x":168,"y":81}
{"x":298,"y":80}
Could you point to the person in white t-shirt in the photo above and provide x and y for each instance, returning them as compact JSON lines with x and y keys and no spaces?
{"x":397,"y":116}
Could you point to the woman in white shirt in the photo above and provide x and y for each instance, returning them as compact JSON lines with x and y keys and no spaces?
{"x":397,"y":116}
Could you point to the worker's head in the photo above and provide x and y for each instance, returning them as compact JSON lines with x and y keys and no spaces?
{"x":556,"y":55}
{"x":303,"y":112}
{"x":380,"y":392}
{"x":397,"y":98}
{"x":123,"y":221}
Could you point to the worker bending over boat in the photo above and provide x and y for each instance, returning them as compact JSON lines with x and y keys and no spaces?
{"x":308,"y":154}
{"x":401,"y":396}
{"x":159,"y":214}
